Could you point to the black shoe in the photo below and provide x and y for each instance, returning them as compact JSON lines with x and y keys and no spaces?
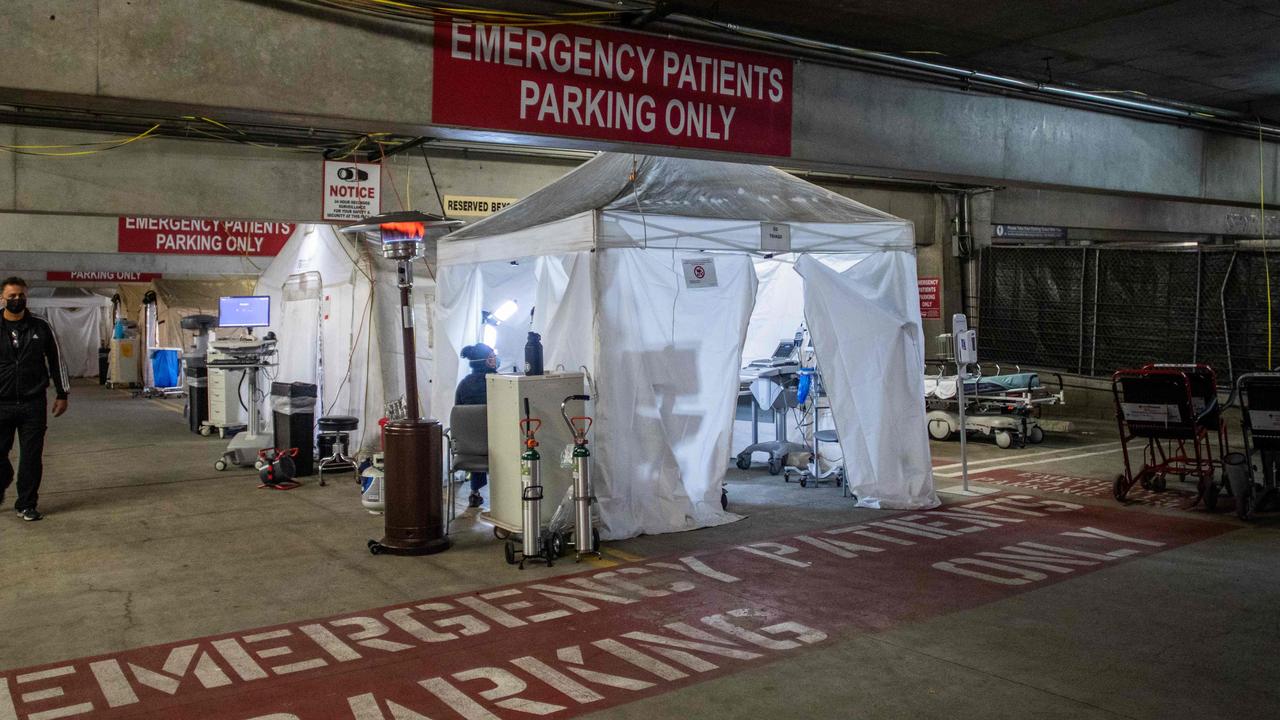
{"x":476,"y":500}
{"x":30,"y":515}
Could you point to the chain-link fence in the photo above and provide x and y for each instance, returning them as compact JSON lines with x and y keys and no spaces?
{"x":1093,"y":310}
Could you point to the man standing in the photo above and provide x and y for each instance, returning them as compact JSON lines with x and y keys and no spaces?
{"x":29,"y":359}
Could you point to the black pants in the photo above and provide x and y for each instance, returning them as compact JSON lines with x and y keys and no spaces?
{"x":478,"y":480}
{"x":29,"y":419}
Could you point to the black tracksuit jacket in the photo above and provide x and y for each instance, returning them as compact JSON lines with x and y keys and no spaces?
{"x":30,"y":359}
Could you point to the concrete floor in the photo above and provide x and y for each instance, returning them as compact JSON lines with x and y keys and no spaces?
{"x":144,"y":543}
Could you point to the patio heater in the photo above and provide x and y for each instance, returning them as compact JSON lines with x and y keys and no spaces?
{"x":413,"y":450}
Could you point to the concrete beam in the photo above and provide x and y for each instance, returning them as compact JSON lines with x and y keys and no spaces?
{"x":35,"y":264}
{"x":1123,"y":213}
{"x":223,"y":180}
{"x":269,"y":59}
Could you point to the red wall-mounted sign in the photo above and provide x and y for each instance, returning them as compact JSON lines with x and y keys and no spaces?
{"x":201,"y":236}
{"x":101,"y":276}
{"x":591,"y":82}
{"x":930,"y":302}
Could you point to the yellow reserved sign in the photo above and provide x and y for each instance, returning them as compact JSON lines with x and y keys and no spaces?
{"x":474,"y":205}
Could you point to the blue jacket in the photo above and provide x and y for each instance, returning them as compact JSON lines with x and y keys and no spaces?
{"x":472,"y":389}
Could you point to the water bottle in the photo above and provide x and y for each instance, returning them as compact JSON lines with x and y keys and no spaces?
{"x":533,"y":355}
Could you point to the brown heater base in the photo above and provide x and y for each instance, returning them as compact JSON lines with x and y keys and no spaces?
{"x":431,"y":547}
{"x":413,"y":486}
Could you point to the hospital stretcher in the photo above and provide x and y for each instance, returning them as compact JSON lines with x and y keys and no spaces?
{"x":1174,"y":411}
{"x":1003,"y":406}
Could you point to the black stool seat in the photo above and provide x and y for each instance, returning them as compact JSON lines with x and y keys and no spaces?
{"x":827,"y":436}
{"x":338,"y":423}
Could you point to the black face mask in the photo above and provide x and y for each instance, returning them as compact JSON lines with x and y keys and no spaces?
{"x":15,"y":305}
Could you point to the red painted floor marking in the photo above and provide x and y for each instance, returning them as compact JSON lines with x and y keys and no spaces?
{"x":1177,"y":496}
{"x":568,"y":645}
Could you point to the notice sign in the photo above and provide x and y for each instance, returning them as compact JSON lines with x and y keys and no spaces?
{"x":474,"y":206}
{"x":201,"y":236}
{"x":352,"y":190}
{"x":101,"y":276}
{"x":1151,"y":412}
{"x":592,"y":82}
{"x":930,"y":303}
{"x":700,"y":273}
{"x":1028,"y":232}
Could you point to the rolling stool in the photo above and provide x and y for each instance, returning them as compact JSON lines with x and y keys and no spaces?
{"x":334,"y":431}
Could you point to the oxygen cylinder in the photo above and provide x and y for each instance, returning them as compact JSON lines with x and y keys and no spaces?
{"x":531,"y":495}
{"x":584,"y":537}
{"x":371,"y":496}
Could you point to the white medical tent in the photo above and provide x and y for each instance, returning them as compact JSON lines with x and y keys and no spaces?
{"x":336,"y":315}
{"x":80,"y":320}
{"x":607,"y":258}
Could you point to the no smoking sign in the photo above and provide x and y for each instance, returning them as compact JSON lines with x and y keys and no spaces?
{"x":700,"y":273}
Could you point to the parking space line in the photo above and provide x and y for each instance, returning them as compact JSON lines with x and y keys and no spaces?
{"x":1060,"y":458}
{"x":1042,"y":453}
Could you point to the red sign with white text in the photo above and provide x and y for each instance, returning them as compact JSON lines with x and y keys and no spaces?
{"x":591,"y":82}
{"x":201,"y":236}
{"x":101,"y":276}
{"x":930,"y":303}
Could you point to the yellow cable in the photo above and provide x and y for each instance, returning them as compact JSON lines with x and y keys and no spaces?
{"x":1262,"y":224}
{"x":109,"y":145}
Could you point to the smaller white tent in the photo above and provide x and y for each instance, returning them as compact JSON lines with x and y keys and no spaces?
{"x":336,"y":315}
{"x":81,"y":321}
{"x":646,"y":270}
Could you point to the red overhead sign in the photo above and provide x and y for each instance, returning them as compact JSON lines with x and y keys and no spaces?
{"x":201,"y":236}
{"x":101,"y":276}
{"x":591,"y":82}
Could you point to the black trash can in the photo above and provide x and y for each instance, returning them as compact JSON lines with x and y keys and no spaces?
{"x":197,"y":397}
{"x":293,"y":414}
{"x":103,"y":362}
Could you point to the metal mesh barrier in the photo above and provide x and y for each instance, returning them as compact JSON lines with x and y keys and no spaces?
{"x":1093,"y":310}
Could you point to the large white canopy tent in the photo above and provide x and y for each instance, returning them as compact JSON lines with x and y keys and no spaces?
{"x":80,"y":319}
{"x":336,"y":315}
{"x":601,"y":256}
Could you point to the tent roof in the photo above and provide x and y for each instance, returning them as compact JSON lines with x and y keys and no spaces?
{"x":647,"y":184}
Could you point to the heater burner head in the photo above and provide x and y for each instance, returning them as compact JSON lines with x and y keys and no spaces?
{"x":402,"y":234}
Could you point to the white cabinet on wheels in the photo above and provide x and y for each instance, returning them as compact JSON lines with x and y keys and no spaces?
{"x":506,"y":395}
{"x":226,"y":411}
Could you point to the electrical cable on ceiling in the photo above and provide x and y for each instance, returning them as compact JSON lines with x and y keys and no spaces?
{"x":1262,"y":230}
{"x":107,"y":145}
{"x":428,"y":12}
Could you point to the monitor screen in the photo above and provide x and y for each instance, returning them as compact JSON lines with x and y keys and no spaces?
{"x":784,"y":350}
{"x":246,"y":311}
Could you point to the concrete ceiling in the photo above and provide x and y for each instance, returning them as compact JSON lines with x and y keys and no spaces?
{"x":1220,"y":53}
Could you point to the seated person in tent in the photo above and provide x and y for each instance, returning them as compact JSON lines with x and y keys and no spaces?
{"x":473,"y":391}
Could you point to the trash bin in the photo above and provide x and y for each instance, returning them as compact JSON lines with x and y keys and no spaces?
{"x":197,"y":393}
{"x":293,"y":414}
{"x":166,"y":366}
{"x":103,"y":361}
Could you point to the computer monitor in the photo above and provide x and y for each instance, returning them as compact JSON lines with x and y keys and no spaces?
{"x":784,"y":350}
{"x":244,"y":311}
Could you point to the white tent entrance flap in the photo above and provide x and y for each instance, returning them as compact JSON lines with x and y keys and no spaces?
{"x":601,"y":254}
{"x":878,"y":408}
